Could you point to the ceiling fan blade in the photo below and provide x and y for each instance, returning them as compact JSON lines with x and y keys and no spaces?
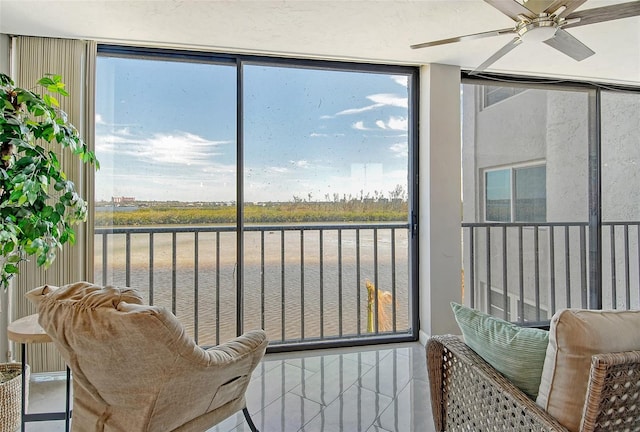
{"x":605,"y":13}
{"x":539,"y":6}
{"x":511,"y":8}
{"x":569,"y":45}
{"x":495,"y":57}
{"x":569,"y":6}
{"x":461,"y":38}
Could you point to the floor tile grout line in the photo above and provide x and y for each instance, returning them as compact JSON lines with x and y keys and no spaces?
{"x":365,"y":374}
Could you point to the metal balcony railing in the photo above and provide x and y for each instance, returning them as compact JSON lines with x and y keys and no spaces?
{"x":301,"y":283}
{"x":524,"y":272}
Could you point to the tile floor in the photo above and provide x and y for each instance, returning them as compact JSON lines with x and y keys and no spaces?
{"x":374,"y":389}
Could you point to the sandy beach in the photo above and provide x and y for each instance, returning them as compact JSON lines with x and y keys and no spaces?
{"x":327,"y":290}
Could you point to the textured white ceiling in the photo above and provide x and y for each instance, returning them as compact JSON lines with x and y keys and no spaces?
{"x":371,"y":31}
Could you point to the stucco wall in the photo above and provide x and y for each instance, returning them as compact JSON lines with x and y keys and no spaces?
{"x":620,"y":156}
{"x":567,"y":156}
{"x":512,"y":131}
{"x":552,"y":126}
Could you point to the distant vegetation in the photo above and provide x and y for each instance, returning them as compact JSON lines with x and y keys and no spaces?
{"x":364,"y":209}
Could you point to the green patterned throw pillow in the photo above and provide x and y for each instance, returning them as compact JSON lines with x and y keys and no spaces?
{"x":516,"y":352}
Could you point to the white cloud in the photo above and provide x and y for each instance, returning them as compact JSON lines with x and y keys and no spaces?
{"x":317,"y":135}
{"x":359,"y":110}
{"x":359,"y":125}
{"x":385,"y":99}
{"x":398,"y":123}
{"x":394,"y":123}
{"x":179,"y":148}
{"x":301,"y":164}
{"x":400,"y":149}
{"x":99,"y":120}
{"x":379,"y":100}
{"x":402,"y":80}
{"x":278,"y":169}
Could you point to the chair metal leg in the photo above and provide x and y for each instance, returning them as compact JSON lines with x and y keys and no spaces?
{"x":247,"y":417}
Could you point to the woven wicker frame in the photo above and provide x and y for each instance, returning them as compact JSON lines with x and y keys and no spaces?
{"x":10,"y":399}
{"x":613,"y":395}
{"x":467,"y":394}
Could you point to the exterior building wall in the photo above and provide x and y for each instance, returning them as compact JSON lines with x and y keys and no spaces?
{"x":553,"y":126}
{"x":530,"y":127}
{"x":620,"y":187}
{"x":620,"y":156}
{"x":567,"y":156}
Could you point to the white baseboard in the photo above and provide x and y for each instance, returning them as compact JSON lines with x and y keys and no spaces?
{"x":423,"y":337}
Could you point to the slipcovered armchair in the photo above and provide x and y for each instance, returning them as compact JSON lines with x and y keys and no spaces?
{"x":135,"y":368}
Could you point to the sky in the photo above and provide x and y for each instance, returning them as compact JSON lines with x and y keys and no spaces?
{"x":166,"y":130}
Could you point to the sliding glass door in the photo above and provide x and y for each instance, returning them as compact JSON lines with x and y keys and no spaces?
{"x":251,"y":193}
{"x":326,"y":172}
{"x":166,"y":140}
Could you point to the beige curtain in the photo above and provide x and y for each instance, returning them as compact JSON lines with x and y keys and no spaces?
{"x":74,"y":60}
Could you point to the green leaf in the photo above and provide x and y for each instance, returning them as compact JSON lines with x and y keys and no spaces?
{"x":46,"y":81}
{"x":42,"y":260}
{"x":60,"y":209}
{"x":8,"y":248}
{"x":13,"y":258}
{"x":32,"y":197}
{"x":11,"y":268}
{"x":50,"y":100}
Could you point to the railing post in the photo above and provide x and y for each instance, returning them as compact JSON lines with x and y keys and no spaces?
{"x":595,"y":201}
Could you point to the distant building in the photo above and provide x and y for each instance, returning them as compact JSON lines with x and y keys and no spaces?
{"x":122,"y":200}
{"x":525,"y":160}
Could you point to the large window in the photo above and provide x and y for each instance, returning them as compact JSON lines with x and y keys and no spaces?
{"x":561,"y":232}
{"x":258,"y":193}
{"x":525,"y":198}
{"x":516,"y":194}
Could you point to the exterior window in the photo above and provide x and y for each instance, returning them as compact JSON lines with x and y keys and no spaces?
{"x":494,"y":94}
{"x":498,"y":195}
{"x":531,"y":314}
{"x":497,"y":305}
{"x":280,"y":201}
{"x":516,"y":194}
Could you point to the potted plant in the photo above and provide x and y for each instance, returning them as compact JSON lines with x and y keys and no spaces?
{"x":39,"y":205}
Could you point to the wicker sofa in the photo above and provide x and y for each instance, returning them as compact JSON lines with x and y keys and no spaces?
{"x":469,"y":394}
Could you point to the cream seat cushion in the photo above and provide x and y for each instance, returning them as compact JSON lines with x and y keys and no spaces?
{"x":574,"y":336}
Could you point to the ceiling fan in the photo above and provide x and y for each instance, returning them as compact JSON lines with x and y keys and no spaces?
{"x":545,"y":21}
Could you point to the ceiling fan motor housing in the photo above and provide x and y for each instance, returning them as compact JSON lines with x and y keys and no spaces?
{"x":537,"y":30}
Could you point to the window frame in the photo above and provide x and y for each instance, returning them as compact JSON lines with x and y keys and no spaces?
{"x":512,"y":192}
{"x":487,"y":89}
{"x":239,"y":61}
